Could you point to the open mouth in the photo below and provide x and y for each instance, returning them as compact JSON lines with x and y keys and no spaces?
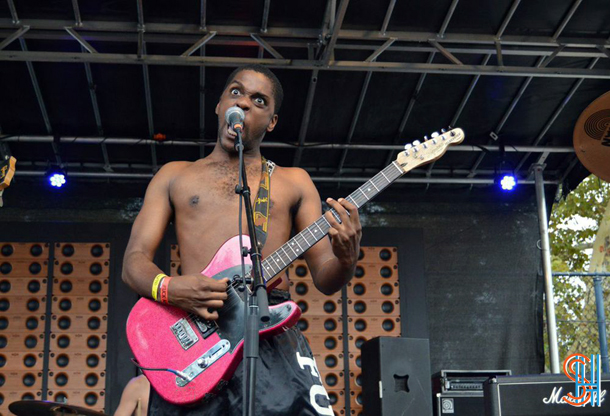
{"x":231,"y":132}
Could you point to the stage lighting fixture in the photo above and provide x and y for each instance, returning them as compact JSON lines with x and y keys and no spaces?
{"x":57,"y":177}
{"x":507,"y":182}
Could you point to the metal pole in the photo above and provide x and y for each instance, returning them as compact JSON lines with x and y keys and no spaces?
{"x":601,"y":323}
{"x":548,"y":273}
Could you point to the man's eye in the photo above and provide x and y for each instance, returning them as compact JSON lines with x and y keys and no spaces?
{"x":260,"y":101}
{"x":234,"y":91}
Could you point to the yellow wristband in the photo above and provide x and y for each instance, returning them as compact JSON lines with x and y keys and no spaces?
{"x":155,"y":285}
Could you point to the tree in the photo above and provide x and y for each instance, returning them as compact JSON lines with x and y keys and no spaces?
{"x":572,"y":229}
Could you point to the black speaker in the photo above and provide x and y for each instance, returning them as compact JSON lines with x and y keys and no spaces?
{"x":468,"y":403}
{"x":539,"y":395}
{"x":396,"y":377}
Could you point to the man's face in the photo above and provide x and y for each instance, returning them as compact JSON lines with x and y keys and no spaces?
{"x":253,"y":93}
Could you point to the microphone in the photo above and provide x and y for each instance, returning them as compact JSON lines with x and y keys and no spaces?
{"x":235,"y":118}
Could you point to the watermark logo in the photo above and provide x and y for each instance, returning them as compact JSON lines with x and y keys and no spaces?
{"x":587,"y":390}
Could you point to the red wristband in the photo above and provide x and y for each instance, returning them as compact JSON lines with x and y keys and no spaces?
{"x":164,"y":290}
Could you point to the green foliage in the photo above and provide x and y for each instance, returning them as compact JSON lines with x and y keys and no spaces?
{"x":573,"y":226}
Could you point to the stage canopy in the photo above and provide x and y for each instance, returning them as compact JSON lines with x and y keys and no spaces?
{"x":89,"y":84}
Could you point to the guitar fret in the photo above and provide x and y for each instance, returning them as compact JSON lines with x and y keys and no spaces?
{"x":294,"y":252}
{"x":275,"y":261}
{"x":386,"y":178}
{"x":373,"y":183}
{"x":351,"y":200}
{"x":397,"y":167}
{"x":287,"y":255}
{"x":360,"y":189}
{"x":314,"y":237}
{"x":297,"y":241}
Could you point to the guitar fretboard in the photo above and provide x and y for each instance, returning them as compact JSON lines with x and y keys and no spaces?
{"x":303,"y":241}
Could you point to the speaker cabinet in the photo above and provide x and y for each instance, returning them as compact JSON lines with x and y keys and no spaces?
{"x":468,"y":403}
{"x":396,"y":377}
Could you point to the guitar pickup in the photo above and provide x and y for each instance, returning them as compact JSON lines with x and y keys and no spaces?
{"x":206,"y":328}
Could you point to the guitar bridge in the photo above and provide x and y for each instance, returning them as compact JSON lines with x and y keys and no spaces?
{"x":202,"y":363}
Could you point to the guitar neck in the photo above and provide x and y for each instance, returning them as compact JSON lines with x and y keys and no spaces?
{"x":303,"y":241}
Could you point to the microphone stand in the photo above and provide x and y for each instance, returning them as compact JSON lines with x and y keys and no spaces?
{"x":257,"y":309}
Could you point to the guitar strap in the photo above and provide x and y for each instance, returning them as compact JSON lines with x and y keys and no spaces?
{"x":261,"y":205}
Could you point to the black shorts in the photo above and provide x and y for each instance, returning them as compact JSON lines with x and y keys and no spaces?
{"x":287,"y":381}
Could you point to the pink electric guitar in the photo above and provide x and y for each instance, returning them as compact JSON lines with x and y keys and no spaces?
{"x":194,"y":357}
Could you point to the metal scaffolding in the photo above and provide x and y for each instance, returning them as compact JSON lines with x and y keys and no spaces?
{"x":315,"y":48}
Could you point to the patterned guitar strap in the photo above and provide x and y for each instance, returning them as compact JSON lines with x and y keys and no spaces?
{"x":261,"y":205}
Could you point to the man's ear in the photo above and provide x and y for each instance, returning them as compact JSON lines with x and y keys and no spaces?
{"x":272,"y":123}
{"x":216,"y":109}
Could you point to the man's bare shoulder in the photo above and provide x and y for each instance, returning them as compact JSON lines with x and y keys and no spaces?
{"x":295,"y":176}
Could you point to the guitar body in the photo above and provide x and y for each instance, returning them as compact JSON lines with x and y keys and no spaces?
{"x":206,"y":353}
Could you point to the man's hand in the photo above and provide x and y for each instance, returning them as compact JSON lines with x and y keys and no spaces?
{"x":345,"y":236}
{"x":198,"y":294}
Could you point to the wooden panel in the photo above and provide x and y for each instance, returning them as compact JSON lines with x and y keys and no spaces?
{"x":374,"y":326}
{"x":21,"y":361}
{"x":329,"y":362}
{"x":337,"y":399}
{"x":23,"y":286}
{"x":332,"y":379}
{"x":321,"y":324}
{"x":31,"y":324}
{"x":79,"y":323}
{"x":355,"y":379}
{"x":10,"y":305}
{"x":319,"y":306}
{"x":355,"y":361}
{"x":375,"y":271}
{"x":78,"y":342}
{"x":81,"y":268}
{"x":24,"y":251}
{"x":11,"y":396}
{"x":355,"y":342}
{"x":378,"y":255}
{"x":175,"y":253}
{"x":80,"y":286}
{"x":322,"y":344}
{"x":19,"y":341}
{"x":90,"y":399}
{"x":355,"y":402}
{"x":20,"y":380}
{"x":85,"y":251}
{"x":373,"y":307}
{"x":23,"y":268}
{"x":372,"y":289}
{"x":299,"y":271}
{"x":174,"y":269}
{"x":76,"y":380}
{"x":80,"y":304}
{"x":77,"y":361}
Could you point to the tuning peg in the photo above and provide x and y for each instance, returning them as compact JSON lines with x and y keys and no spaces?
{"x":425,"y":138}
{"x":443,"y":131}
{"x":416,"y":143}
{"x":435,"y":134}
{"x":408,"y":146}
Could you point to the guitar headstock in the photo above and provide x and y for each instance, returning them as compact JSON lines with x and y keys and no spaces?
{"x":419,"y":153}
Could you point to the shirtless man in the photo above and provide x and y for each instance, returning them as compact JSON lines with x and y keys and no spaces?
{"x":200,"y":198}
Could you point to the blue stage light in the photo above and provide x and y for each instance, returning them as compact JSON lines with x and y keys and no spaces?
{"x":508,"y":183}
{"x":57,"y":178}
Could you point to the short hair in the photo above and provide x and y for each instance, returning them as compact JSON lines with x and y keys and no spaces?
{"x":276,"y":86}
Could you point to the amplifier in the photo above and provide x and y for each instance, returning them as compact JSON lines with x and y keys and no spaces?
{"x":538,"y":395}
{"x":463,"y":403}
{"x":457,"y":381}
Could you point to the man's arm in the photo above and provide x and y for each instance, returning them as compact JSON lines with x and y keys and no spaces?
{"x":138,"y":388}
{"x":193,"y":293}
{"x":331,"y":262}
